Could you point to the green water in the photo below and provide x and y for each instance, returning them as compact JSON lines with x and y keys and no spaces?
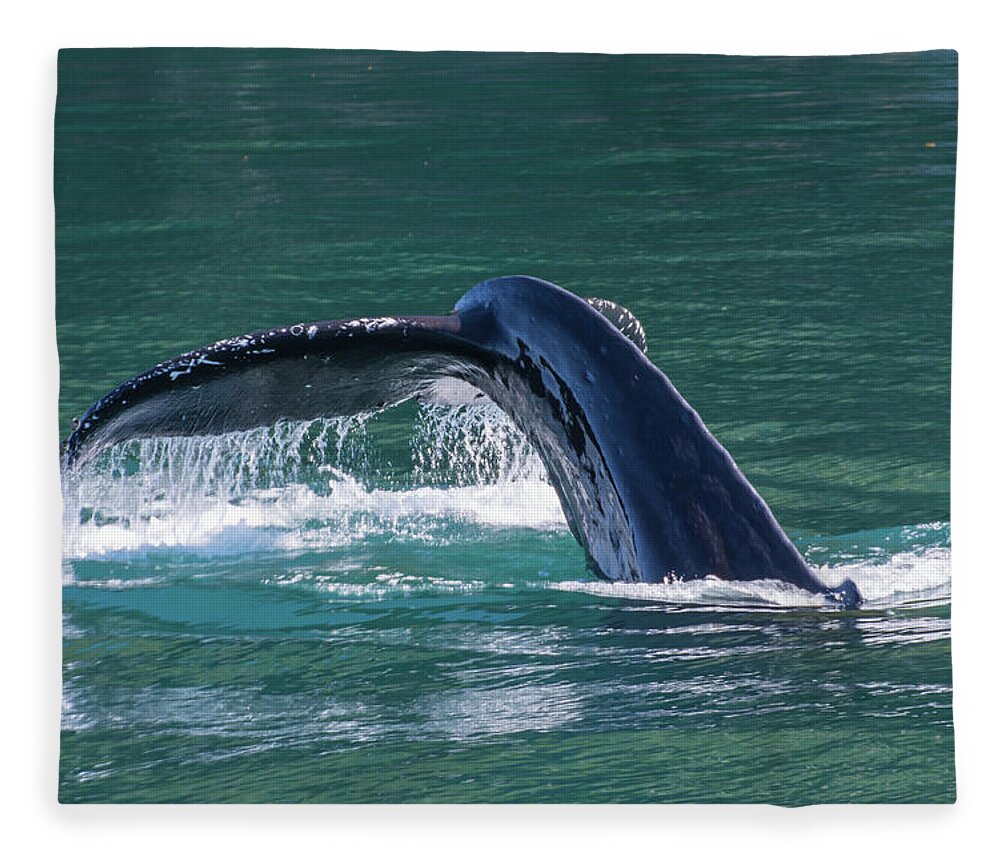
{"x":783,"y":228}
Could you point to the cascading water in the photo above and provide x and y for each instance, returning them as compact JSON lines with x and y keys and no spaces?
{"x":326,"y":482}
{"x":471,"y":445}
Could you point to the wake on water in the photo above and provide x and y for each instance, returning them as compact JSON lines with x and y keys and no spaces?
{"x":312,"y":486}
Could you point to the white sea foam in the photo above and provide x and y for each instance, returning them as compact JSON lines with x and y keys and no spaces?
{"x":907,"y":577}
{"x":296,"y":517}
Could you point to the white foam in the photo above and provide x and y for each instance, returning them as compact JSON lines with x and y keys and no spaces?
{"x":296,"y":517}
{"x":910,"y":576}
{"x":905,"y":578}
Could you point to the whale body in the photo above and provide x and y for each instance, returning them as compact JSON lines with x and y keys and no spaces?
{"x":646,"y":489}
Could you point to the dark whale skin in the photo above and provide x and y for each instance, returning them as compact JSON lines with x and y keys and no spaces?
{"x":647,"y":490}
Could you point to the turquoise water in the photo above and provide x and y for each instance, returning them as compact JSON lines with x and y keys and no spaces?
{"x":390,"y":608}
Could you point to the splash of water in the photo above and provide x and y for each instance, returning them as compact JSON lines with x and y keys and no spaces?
{"x":897,"y":567}
{"x":471,"y":445}
{"x":306,"y":485}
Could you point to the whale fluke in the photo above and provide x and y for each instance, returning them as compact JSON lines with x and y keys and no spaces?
{"x":646,"y":489}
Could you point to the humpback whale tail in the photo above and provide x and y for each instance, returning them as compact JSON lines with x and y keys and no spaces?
{"x":646,"y":489}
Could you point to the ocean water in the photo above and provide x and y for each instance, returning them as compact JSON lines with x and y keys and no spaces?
{"x":389,"y":607}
